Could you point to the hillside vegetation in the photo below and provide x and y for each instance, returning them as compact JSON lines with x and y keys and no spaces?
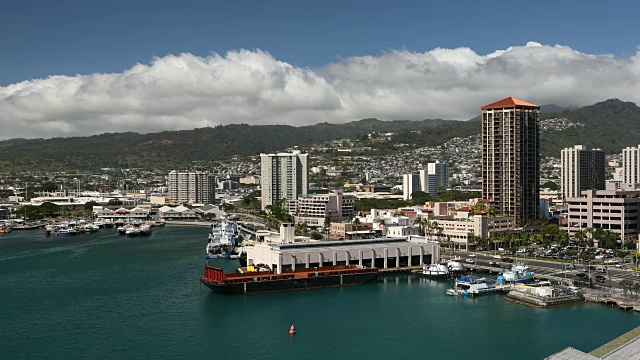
{"x":610,"y":125}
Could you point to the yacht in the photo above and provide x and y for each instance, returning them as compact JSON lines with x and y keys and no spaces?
{"x":468,"y":286}
{"x":435,"y":270}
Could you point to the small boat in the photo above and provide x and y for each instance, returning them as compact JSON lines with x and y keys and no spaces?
{"x":108,"y":223}
{"x":468,"y":286}
{"x":455,"y":266}
{"x":435,"y":270}
{"x":518,"y":274}
{"x":159,"y":222}
{"x":132,"y":231}
{"x":144,"y":230}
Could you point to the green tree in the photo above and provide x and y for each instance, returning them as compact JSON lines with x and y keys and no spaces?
{"x":315,"y":235}
{"x":48,"y":209}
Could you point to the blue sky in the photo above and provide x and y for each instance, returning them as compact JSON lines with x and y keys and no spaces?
{"x":41,"y":38}
{"x":73,"y":68}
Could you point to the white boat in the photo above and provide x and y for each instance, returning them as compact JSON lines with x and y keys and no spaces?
{"x":466,"y":285}
{"x":435,"y":270}
{"x":132,"y":231}
{"x":455,"y":265}
{"x":144,"y":230}
{"x":222,"y":239}
{"x":519,"y":273}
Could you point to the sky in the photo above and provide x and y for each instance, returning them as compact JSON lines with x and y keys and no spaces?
{"x":74,"y":68}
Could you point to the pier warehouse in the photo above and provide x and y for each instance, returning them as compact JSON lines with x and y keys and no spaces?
{"x":383,"y":253}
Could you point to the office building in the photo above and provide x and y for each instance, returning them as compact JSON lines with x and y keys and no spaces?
{"x":283,"y":176}
{"x":192,"y":187}
{"x":581,"y":169}
{"x":437,"y":177}
{"x":510,"y":158}
{"x":609,"y":209}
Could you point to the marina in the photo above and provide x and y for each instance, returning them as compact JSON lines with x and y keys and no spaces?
{"x":161,"y":311}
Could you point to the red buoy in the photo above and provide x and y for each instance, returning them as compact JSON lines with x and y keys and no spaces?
{"x":292,"y":330}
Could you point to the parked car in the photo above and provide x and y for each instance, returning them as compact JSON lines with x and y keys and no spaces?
{"x":582,"y":276}
{"x":472,"y":255}
{"x":493,"y":263}
{"x":600,"y":278}
{"x":497,"y":257}
{"x":470,"y":261}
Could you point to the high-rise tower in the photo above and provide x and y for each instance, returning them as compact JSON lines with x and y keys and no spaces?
{"x":283,"y":176}
{"x":510,"y":157}
{"x":581,"y":169}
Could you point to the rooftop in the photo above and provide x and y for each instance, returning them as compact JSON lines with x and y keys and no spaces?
{"x":509,"y":103}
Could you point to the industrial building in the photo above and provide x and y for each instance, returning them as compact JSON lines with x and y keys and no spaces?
{"x":381,"y":253}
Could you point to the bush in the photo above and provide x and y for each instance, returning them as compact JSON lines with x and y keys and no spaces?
{"x":315,"y":235}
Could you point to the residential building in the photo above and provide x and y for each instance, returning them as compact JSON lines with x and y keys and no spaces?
{"x":283,"y":176}
{"x":410,"y":184}
{"x":631,"y":165}
{"x":581,"y":169}
{"x":192,"y":187}
{"x":606,"y":209}
{"x":313,"y":209}
{"x":511,"y":158}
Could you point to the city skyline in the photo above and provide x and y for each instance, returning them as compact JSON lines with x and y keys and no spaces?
{"x":155,"y":68}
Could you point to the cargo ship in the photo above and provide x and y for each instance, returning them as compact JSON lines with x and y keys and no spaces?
{"x":302,"y":278}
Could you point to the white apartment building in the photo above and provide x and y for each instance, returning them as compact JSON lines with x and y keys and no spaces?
{"x":410,"y":184}
{"x":631,"y":165}
{"x":313,"y":209}
{"x":192,"y":187}
{"x":283,"y":176}
{"x":581,"y":169}
{"x":606,"y":209}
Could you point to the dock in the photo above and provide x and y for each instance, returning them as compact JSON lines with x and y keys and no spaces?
{"x":540,"y":301}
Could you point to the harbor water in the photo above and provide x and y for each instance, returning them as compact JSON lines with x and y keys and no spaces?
{"x":105,"y":296}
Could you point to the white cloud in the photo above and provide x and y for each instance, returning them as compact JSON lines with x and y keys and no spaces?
{"x":187,"y":91}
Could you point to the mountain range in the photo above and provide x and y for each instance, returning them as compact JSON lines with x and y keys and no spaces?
{"x":610,"y":125}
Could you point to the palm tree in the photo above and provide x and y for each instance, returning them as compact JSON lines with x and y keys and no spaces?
{"x":356,"y":223}
{"x":327,"y":225}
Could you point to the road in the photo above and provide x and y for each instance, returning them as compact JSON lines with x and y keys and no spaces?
{"x":551,"y":268}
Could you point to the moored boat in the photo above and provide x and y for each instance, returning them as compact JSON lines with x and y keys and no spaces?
{"x":435,"y":270}
{"x":468,"y":286}
{"x":222,"y":240}
{"x":518,"y":274}
{"x":267,"y":281}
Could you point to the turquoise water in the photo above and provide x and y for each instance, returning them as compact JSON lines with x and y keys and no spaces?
{"x":105,"y":296}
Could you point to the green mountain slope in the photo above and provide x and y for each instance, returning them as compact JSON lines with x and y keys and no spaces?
{"x":610,"y":125}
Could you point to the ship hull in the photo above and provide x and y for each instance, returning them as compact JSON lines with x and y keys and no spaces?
{"x":291,"y":284}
